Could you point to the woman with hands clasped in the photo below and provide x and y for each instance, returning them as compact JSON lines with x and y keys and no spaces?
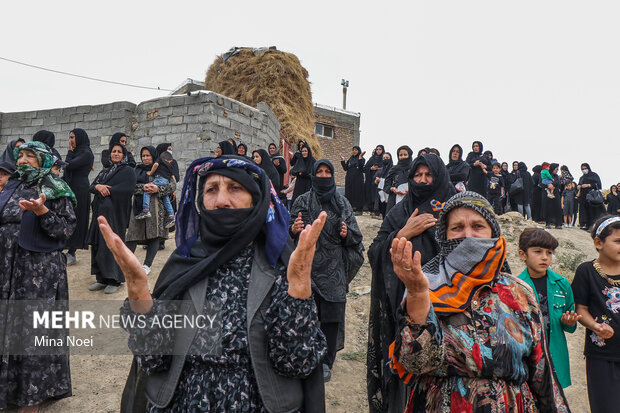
{"x":413,"y":218}
{"x":470,"y":336}
{"x":232,"y":249}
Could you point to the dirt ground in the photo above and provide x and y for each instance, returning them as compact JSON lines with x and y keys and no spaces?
{"x":98,"y":381}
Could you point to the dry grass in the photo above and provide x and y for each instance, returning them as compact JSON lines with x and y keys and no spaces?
{"x":276,"y":78}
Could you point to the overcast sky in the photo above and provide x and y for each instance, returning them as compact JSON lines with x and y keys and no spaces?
{"x":534,"y":81}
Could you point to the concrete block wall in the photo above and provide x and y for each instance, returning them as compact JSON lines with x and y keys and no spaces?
{"x":192,"y":124}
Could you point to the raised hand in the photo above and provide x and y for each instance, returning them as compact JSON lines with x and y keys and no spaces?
{"x":409,"y":271}
{"x":362,"y":154}
{"x":298,"y":225}
{"x":416,"y":224}
{"x":299,"y":269}
{"x":137,"y":281}
{"x":342,"y":158}
{"x":35,"y":205}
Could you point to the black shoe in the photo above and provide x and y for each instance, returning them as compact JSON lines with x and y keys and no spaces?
{"x":327,"y":373}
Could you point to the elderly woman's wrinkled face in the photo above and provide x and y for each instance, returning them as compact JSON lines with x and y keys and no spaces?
{"x":323,"y":171}
{"x":147,"y":158}
{"x":304,"y":152}
{"x":223,"y":192}
{"x":28,"y":157}
{"x":465,"y":222}
{"x":257,"y":158}
{"x":116,"y":155}
{"x":422,"y":175}
{"x":4,"y":178}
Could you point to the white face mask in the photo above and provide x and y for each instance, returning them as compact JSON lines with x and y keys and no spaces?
{"x":169,"y":151}
{"x":585,"y":171}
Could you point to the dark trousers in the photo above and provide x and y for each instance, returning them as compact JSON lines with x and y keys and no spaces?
{"x":331,"y":335}
{"x":603,"y":384}
{"x":151,"y":249}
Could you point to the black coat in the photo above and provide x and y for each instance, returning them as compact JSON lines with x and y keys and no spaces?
{"x":116,"y":208}
{"x":370,"y":189}
{"x":396,"y":176}
{"x":478,"y":179}
{"x":386,"y":288}
{"x":303,"y":171}
{"x":524,"y":197}
{"x":354,"y":181}
{"x":613,"y":203}
{"x":79,"y":164}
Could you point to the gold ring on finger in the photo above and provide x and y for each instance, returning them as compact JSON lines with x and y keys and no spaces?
{"x":407,"y":268}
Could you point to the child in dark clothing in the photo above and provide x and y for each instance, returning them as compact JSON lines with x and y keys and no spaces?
{"x":162,"y":173}
{"x":568,"y":203}
{"x":496,"y":188}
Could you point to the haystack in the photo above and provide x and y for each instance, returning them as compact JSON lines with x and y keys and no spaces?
{"x":271,"y":76}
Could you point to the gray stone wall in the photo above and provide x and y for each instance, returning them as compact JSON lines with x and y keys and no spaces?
{"x":193,"y":124}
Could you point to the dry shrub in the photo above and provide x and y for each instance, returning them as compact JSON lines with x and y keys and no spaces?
{"x":276,"y":78}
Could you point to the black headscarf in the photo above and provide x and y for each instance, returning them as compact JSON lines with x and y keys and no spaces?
{"x":376,"y":159}
{"x":108,"y":172}
{"x":591,"y":178}
{"x":161,"y":148}
{"x":304,"y":164}
{"x":353,"y":159}
{"x":325,"y":188}
{"x":8,"y":155}
{"x":239,"y":146}
{"x":49,"y":139}
{"x":387,"y":165}
{"x":268,"y":167}
{"x":227,"y":148}
{"x":141,"y":176}
{"x":459,"y":169}
{"x":81,"y":140}
{"x":209,"y":239}
{"x":421,"y":195}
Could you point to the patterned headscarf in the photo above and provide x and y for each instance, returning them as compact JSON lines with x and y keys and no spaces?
{"x":47,"y":183}
{"x":267,"y":205}
{"x":464,"y":264}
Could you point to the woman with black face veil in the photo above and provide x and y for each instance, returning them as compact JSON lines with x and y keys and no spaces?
{"x":262,"y":159}
{"x":457,"y":167}
{"x":480,"y":166}
{"x":588,"y":213}
{"x":303,"y":171}
{"x":332,"y":270}
{"x":397,"y":176}
{"x":354,"y":180}
{"x":79,"y":160}
{"x":232,"y":250}
{"x":379,"y":176}
{"x":414,"y":218}
{"x":113,"y":189}
{"x":370,"y":188}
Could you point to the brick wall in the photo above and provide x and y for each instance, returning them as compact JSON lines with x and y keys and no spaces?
{"x":346,"y":135}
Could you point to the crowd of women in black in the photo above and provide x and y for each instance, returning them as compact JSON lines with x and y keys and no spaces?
{"x":549,"y":194}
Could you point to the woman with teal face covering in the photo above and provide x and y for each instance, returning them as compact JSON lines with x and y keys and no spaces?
{"x":36,"y":217}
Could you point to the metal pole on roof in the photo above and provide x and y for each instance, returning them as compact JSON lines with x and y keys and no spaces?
{"x":345,"y":85}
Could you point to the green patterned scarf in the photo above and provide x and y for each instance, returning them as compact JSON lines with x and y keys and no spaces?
{"x":47,"y":183}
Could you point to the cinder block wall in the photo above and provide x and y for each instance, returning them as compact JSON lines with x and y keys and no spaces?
{"x":192,"y":124}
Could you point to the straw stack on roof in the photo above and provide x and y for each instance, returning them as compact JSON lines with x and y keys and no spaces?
{"x":271,"y":76}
